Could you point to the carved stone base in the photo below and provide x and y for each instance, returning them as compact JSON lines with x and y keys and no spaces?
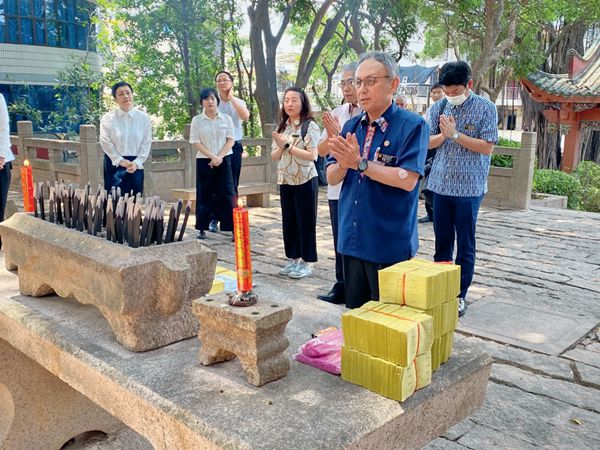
{"x":254,"y":334}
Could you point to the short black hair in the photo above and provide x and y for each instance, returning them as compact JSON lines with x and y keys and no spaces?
{"x":226,"y":73}
{"x":453,"y":73}
{"x":207,"y":92}
{"x":436,"y":86}
{"x":116,"y":86}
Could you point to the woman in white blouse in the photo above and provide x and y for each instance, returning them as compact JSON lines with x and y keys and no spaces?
{"x":126,"y":137}
{"x":6,"y":157}
{"x":295,"y":150}
{"x":211,"y":135}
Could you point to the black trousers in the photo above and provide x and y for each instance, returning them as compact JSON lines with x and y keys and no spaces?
{"x":215,"y":195}
{"x":361,"y":281}
{"x":236,"y":164}
{"x":119,"y":177}
{"x":5,"y":176}
{"x":299,"y":219}
{"x":338,"y":287}
{"x":428,"y":203}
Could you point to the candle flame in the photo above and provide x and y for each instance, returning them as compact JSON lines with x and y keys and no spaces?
{"x":240,"y":203}
{"x":26,"y":163}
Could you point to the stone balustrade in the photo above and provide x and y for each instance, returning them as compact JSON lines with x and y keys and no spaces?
{"x":81,"y":161}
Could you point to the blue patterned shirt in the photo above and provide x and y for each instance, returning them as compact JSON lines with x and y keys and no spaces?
{"x":456,"y":170}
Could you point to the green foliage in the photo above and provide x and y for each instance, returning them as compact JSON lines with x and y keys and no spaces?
{"x":588,"y":174}
{"x":558,"y":183}
{"x":167,"y":50}
{"x":504,"y":142}
{"x":22,"y":107}
{"x":79,"y":95}
{"x":501,"y":161}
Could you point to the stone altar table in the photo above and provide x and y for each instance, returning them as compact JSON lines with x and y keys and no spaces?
{"x":176,"y":403}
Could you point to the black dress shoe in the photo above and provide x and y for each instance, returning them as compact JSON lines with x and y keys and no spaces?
{"x":331,"y":297}
{"x":201,"y":234}
{"x":212,"y":226}
{"x":425,"y":219}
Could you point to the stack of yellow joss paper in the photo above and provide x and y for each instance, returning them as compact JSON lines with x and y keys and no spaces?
{"x":429,"y":288}
{"x":392,"y":346}
{"x":387,"y":349}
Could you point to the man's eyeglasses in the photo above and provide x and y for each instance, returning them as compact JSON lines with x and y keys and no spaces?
{"x":368,"y":82}
{"x":349,"y":82}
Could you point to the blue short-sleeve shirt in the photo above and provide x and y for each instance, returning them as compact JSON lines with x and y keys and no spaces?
{"x":457,"y":171}
{"x":377,"y":222}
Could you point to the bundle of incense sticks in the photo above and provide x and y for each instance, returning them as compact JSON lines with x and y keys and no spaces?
{"x":124,"y":219}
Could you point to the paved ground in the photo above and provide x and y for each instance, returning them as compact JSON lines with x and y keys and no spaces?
{"x":534,"y":306}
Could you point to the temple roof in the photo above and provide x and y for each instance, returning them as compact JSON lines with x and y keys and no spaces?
{"x":585,"y":82}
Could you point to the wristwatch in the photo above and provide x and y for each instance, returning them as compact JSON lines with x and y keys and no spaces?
{"x":362,"y":165}
{"x":455,"y":136}
{"x":286,"y":146}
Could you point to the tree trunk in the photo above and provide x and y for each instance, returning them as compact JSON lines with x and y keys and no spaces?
{"x":590,"y":145}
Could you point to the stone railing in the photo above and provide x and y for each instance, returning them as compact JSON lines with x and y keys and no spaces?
{"x":510,"y":187}
{"x":81,"y":161}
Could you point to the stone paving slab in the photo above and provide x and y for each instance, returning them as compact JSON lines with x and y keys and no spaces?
{"x":523,"y":326}
{"x":585,"y":356}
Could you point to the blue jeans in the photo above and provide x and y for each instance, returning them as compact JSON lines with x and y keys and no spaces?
{"x":456,"y":218}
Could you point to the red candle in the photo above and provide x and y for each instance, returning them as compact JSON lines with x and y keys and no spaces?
{"x":27,"y":186}
{"x":243,"y":262}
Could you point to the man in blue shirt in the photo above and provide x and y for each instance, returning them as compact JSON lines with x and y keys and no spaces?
{"x":464,"y":134}
{"x":379,"y":155}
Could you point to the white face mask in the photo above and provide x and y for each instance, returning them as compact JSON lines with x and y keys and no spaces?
{"x":458,"y":99}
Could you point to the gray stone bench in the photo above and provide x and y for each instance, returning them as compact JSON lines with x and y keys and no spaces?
{"x":256,"y":193}
{"x":167,"y":396}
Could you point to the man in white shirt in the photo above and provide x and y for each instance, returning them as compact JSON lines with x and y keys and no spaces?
{"x":211,"y":135}
{"x":333,"y":122}
{"x":6,"y":157}
{"x":126,"y":137}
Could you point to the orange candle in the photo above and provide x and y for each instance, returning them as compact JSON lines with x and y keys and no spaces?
{"x":243,"y":262}
{"x":27,"y":186}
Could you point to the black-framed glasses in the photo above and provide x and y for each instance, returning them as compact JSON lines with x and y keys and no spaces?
{"x":368,"y":82}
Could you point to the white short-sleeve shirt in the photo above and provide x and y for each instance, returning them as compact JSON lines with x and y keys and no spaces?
{"x":212,"y":133}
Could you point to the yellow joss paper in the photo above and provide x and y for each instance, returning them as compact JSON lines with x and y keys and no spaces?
{"x":419,"y":283}
{"x":390,"y":332}
{"x":382,"y":377}
{"x":449,"y":316}
{"x":423,"y":370}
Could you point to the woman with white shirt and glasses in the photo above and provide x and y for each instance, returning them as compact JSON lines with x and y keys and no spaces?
{"x":125,"y":136}
{"x":295,"y":150}
{"x":211,"y":134}
{"x":6,"y":157}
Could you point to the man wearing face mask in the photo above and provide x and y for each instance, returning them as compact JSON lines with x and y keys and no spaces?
{"x":464,"y":134}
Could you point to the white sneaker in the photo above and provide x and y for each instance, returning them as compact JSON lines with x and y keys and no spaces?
{"x":302,"y":270}
{"x":289,"y":268}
